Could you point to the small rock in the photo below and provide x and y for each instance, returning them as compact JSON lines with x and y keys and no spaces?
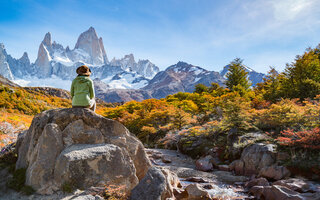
{"x":196,"y":179}
{"x":166,"y":159}
{"x":180,"y":193}
{"x":237,"y":166}
{"x":208,"y":187}
{"x":196,"y":192}
{"x":87,"y":197}
{"x":228,"y":177}
{"x":157,"y":155}
{"x":204,"y":164}
{"x":224,"y":167}
{"x":257,"y":182}
{"x":274,"y":172}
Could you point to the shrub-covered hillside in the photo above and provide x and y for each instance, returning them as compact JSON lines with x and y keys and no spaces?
{"x":284,"y":110}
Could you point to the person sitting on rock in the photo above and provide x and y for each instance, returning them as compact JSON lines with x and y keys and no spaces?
{"x":82,"y":89}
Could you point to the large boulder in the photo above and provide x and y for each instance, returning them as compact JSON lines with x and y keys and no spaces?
{"x":254,"y":158}
{"x":258,"y":156}
{"x":274,"y":172}
{"x":158,"y":184}
{"x":62,"y":144}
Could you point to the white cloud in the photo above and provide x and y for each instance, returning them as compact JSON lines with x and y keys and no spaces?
{"x":285,"y":10}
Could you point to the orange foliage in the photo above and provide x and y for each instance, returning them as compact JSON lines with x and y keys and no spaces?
{"x":30,"y":103}
{"x":304,"y":139}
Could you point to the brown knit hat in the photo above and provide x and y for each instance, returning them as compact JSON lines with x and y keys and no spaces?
{"x":84,"y":70}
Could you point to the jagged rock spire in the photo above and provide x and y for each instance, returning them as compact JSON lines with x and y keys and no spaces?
{"x":5,"y":70}
{"x":89,"y":42}
{"x":47,"y":39}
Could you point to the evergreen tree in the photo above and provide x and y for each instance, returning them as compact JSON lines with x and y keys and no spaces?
{"x":237,"y":75}
{"x":302,"y":77}
{"x":200,"y":88}
{"x":271,"y":86}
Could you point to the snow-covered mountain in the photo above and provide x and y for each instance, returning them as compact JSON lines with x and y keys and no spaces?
{"x":181,"y":77}
{"x":56,"y":66}
{"x":11,"y":67}
{"x":121,"y":79}
{"x":254,"y":77}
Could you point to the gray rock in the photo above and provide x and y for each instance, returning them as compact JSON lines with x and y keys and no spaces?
{"x":257,"y":156}
{"x":87,"y":197}
{"x":204,"y":164}
{"x":277,"y":192}
{"x":228,"y":177}
{"x":298,"y":185}
{"x":274,"y":172}
{"x":254,"y":158}
{"x":257,"y":182}
{"x":20,"y":139}
{"x":39,"y":174}
{"x":158,"y":184}
{"x":53,"y":132}
{"x":196,"y":192}
{"x":237,"y":166}
{"x":84,"y":165}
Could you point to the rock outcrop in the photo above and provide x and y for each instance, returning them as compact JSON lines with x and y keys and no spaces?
{"x":79,"y":148}
{"x":89,"y":42}
{"x":254,"y":158}
{"x":158,"y":184}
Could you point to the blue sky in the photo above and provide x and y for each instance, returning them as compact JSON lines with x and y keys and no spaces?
{"x":207,"y":33}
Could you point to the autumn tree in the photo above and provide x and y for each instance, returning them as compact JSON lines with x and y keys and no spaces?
{"x":303,"y":75}
{"x":200,"y":88}
{"x":271,"y":86}
{"x":237,"y":75}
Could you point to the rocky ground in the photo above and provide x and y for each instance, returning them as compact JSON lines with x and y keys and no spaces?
{"x":219,"y":184}
{"x":273,"y":182}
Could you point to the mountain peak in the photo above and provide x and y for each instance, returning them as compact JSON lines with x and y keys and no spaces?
{"x":91,"y":29}
{"x":47,"y":39}
{"x":129,"y":57}
{"x":24,"y":56}
{"x":89,"y":42}
{"x":2,"y":46}
{"x":181,"y":63}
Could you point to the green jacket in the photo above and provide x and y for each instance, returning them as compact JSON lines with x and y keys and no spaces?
{"x":82,"y":91}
